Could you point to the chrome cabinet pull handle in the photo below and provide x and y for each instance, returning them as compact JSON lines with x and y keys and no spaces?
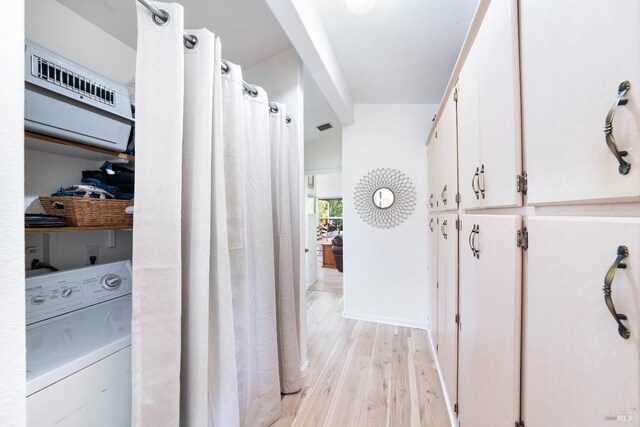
{"x":476,"y":232}
{"x":622,"y":253}
{"x":431,"y":200}
{"x":624,"y":167}
{"x":481,"y":181}
{"x":473,"y":183}
{"x":431,"y":224}
{"x":443,"y":195}
{"x":471,"y":233}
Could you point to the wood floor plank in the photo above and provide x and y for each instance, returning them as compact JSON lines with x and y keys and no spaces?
{"x":366,"y":338}
{"x":290,"y":405}
{"x":362,"y":373}
{"x":374,"y":411}
{"x":400,"y":398}
{"x":382,"y":352}
{"x":432,"y":406}
{"x":315,"y":409}
{"x":346,"y":406}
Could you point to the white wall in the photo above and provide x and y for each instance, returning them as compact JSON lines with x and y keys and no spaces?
{"x":329,"y":186}
{"x":386,"y":269}
{"x":324,"y":155}
{"x":12,"y":331}
{"x":63,"y":31}
{"x":282,"y":77}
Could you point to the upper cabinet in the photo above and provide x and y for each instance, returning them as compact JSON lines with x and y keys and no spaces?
{"x":447,"y":141}
{"x":432,"y":174}
{"x":580,"y":102}
{"x":489,"y":140}
{"x":443,"y":161}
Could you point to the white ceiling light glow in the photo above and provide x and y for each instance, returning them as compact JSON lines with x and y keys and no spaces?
{"x":360,"y":6}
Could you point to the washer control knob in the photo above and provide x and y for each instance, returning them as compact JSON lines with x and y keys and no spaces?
{"x":38,"y":299}
{"x":111,"y":282}
{"x":66,"y":292}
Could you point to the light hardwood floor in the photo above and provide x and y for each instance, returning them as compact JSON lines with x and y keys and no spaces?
{"x":362,"y":373}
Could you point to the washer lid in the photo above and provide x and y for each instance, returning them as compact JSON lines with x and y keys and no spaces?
{"x":59,"y":347}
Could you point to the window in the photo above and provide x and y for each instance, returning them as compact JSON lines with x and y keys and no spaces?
{"x":330,"y":216}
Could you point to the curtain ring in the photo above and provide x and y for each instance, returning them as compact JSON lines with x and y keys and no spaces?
{"x":225,"y":67}
{"x":251,"y":90}
{"x":161,"y":20}
{"x":190,"y":44}
{"x":288,"y":120}
{"x":273,"y":108}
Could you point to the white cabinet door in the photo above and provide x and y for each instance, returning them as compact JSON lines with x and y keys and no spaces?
{"x":432,"y":174}
{"x":575,"y":54}
{"x":577,"y":369}
{"x":469,"y":132}
{"x":442,"y":293}
{"x":432,"y":304}
{"x":499,"y":111}
{"x":447,"y":141}
{"x":490,"y":319}
{"x":467,"y":333}
{"x":449,"y":348}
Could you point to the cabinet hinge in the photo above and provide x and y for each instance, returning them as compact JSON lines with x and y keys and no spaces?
{"x":436,"y":348}
{"x":458,"y":224}
{"x":522,"y":238}
{"x":437,"y":285}
{"x":457,"y":318}
{"x":521,"y":183}
{"x":458,"y":197}
{"x":455,"y":408}
{"x":455,"y":94}
{"x":519,"y":423}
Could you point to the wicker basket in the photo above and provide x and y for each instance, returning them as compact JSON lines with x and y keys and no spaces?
{"x":86,"y":212}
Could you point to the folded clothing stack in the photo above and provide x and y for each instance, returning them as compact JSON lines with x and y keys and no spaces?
{"x":84,"y":190}
{"x":116,"y":180}
{"x":42,"y":220}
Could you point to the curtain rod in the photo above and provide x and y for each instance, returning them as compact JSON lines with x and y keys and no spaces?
{"x":161,"y":17}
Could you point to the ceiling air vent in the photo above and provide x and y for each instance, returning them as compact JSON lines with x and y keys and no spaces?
{"x":325,"y":126}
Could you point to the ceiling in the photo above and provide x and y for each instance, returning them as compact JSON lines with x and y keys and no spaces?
{"x":248,"y":30}
{"x":402,"y":51}
{"x":317,"y":111}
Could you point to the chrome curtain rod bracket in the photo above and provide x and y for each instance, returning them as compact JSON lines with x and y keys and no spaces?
{"x":161,"y":17}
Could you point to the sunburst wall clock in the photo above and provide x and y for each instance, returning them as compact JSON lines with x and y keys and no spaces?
{"x":384,"y":198}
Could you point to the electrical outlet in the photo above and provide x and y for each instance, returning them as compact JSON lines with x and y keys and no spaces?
{"x":89,"y":252}
{"x":34,"y":249}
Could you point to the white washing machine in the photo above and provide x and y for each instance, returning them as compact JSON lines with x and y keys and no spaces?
{"x":79,"y":347}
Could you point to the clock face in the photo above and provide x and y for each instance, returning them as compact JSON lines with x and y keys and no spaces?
{"x":383,"y":198}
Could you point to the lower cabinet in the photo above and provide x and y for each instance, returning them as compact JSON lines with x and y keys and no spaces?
{"x":490,"y":322}
{"x":447,"y":288}
{"x":579,"y":366}
{"x":432,"y":315}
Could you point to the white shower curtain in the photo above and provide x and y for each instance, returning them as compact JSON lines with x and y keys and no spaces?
{"x":246,"y":140}
{"x":206,"y":326}
{"x":285,"y":196}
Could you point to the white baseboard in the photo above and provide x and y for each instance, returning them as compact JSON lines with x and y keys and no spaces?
{"x":303,"y":368}
{"x":312,"y":282}
{"x":386,"y":320}
{"x":452,"y":415}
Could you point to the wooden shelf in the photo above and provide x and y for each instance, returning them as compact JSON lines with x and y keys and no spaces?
{"x":67,"y":229}
{"x":38,"y":142}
